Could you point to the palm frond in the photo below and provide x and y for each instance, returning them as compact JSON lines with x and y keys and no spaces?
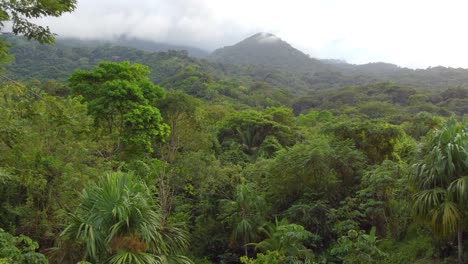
{"x":426,"y":201}
{"x":445,"y":219}
{"x":459,"y":191}
{"x":125,"y":257}
{"x":118,"y":219}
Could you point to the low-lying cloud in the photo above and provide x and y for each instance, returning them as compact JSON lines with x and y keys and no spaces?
{"x":185,"y":22}
{"x":408,"y":33}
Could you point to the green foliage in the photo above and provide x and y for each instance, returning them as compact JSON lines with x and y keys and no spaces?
{"x":383,"y":198}
{"x":346,"y":217}
{"x":20,"y":14}
{"x":244,"y":213}
{"x":5,"y":56}
{"x":308,"y":163}
{"x":314,"y":215}
{"x":249,"y":130}
{"x":319,"y":165}
{"x":441,"y":178}
{"x":358,"y":247}
{"x":286,"y":238}
{"x":416,"y":247}
{"x":236,"y":159}
{"x":121,"y":98}
{"x":422,"y":124}
{"x":192,"y":81}
{"x":376,"y":139}
{"x":186,"y":120}
{"x":58,"y":62}
{"x":385,"y":101}
{"x":278,"y":54}
{"x":47,"y":154}
{"x":19,"y":249}
{"x":271,"y":257}
{"x":442,"y":183}
{"x":377,"y":109}
{"x":312,"y":118}
{"x":118,"y":220}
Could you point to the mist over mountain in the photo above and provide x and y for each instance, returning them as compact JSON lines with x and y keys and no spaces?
{"x":267,"y":49}
{"x":132,"y":42}
{"x":127,"y":143}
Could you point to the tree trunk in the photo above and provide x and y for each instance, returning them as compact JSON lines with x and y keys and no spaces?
{"x":460,"y":243}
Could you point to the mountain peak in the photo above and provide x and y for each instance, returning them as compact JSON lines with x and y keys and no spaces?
{"x":266,"y":49}
{"x":264,"y":37}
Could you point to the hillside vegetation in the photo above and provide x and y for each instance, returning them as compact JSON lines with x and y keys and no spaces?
{"x":111,"y":154}
{"x":251,"y":60}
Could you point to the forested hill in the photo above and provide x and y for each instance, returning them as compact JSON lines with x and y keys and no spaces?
{"x":268,"y":49}
{"x":278,"y":65}
{"x":111,"y":154}
{"x":136,"y":43}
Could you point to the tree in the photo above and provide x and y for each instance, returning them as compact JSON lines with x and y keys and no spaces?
{"x":19,"y":249}
{"x":250,"y":129}
{"x":358,"y":247}
{"x":118,"y":221}
{"x":421,"y":124}
{"x":191,"y":80}
{"x":121,"y":98}
{"x":310,"y":164}
{"x":378,"y":140}
{"x":244,"y":213}
{"x":441,"y":179}
{"x":182,"y":114}
{"x":47,"y":155}
{"x":382,"y":197}
{"x":20,"y":13}
{"x":286,"y":238}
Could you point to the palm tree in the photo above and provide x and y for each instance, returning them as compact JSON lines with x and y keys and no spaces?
{"x":118,"y":221}
{"x":442,"y":182}
{"x":244,"y":214}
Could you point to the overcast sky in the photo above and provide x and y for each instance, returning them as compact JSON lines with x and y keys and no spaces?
{"x":410,"y":33}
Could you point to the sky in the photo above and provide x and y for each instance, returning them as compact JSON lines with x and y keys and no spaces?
{"x":409,"y":33}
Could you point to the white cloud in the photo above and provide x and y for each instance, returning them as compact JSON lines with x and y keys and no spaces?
{"x":409,"y":33}
{"x":267,"y":38}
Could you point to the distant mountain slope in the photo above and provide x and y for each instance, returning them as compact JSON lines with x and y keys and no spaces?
{"x":42,"y":62}
{"x":272,"y":52}
{"x":268,"y":49}
{"x":35,"y":61}
{"x":136,"y":43}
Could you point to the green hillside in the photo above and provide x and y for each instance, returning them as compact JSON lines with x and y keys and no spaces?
{"x":278,"y":64}
{"x":111,"y":154}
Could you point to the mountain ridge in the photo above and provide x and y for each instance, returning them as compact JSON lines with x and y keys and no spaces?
{"x":267,"y":49}
{"x":137,"y":43}
{"x":35,"y":61}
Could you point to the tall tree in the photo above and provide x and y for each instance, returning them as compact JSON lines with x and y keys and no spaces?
{"x":442,"y":182}
{"x":244,"y":214}
{"x":121,"y":98}
{"x":309,"y":163}
{"x":376,"y":139}
{"x":254,"y":130}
